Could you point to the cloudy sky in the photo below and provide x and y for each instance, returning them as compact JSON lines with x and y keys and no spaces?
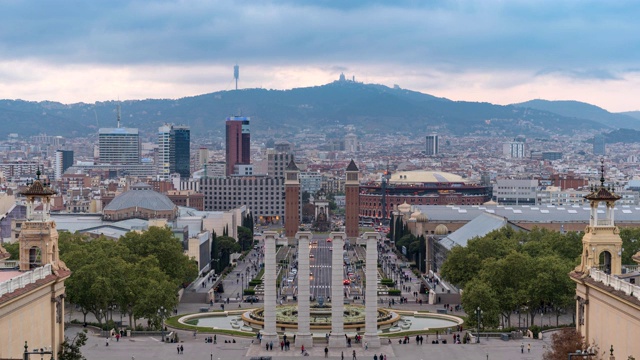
{"x":499,"y":51}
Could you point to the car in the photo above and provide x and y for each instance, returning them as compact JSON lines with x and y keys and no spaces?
{"x":330,"y":249}
{"x":311,"y":256}
{"x":346,"y":282}
{"x":329,"y":240}
{"x":251,"y":299}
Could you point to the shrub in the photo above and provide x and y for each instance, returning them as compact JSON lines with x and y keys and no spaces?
{"x":249,"y":292}
{"x":394,"y":292}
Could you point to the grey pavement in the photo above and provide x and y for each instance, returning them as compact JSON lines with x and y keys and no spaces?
{"x":149,"y":347}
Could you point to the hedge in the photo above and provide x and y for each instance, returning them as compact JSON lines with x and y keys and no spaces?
{"x":394,"y":292}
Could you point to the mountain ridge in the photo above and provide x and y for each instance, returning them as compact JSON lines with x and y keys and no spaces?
{"x":582,"y":110}
{"x":373,"y":107}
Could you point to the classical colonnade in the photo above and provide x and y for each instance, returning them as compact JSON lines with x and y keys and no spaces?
{"x":337,"y":337}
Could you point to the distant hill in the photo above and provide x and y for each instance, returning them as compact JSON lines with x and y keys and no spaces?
{"x":622,"y":136}
{"x":633,"y":114}
{"x":369,"y":107}
{"x":580,"y":110}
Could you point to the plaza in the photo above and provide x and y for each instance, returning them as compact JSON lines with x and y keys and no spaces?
{"x":151,"y":347}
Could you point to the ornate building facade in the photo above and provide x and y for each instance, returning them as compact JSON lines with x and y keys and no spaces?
{"x":607,"y":293}
{"x":32,"y":289}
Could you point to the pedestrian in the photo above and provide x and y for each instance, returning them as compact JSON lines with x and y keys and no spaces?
{"x":266,"y":346}
{"x":354,"y":355}
{"x":181,"y":349}
{"x":522,"y":348}
{"x":281,"y":345}
{"x":375,"y":356}
{"x":366,"y":345}
{"x":342,"y":355}
{"x":381,"y":357}
{"x":326,"y":351}
{"x":215,"y":339}
{"x":107,"y":341}
{"x":529,"y":348}
{"x":271,"y":346}
{"x":302,"y":349}
{"x":178,"y":348}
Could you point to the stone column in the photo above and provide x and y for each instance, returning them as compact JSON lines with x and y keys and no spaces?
{"x":371,"y":293}
{"x":303,"y":337}
{"x":337,"y":292}
{"x":269,"y":332}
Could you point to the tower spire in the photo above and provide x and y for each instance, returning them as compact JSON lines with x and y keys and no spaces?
{"x":118,"y":115}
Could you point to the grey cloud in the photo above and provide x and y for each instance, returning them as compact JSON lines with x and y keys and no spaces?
{"x":441,"y":34}
{"x":589,"y":74}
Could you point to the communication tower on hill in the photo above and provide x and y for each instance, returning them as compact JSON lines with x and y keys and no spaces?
{"x":236,"y":74}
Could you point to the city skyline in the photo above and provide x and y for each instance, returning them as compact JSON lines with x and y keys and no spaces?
{"x":493,"y":51}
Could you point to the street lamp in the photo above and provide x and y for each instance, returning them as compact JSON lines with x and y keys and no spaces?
{"x":478,"y":314}
{"x":41,"y":352}
{"x":161,"y":313}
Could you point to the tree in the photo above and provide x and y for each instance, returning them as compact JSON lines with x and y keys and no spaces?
{"x":13,"y":249}
{"x":305,"y":197}
{"x":70,"y":349}
{"x":563,"y":342}
{"x":245,"y":238}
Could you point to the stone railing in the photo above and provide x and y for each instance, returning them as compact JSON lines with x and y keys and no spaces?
{"x":604,"y":222}
{"x":9,"y":264}
{"x":617,"y":284}
{"x":25,"y":279}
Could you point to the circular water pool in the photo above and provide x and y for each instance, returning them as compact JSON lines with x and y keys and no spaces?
{"x":403,"y":321}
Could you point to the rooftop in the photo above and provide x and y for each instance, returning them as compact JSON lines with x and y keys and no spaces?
{"x":527,"y":213}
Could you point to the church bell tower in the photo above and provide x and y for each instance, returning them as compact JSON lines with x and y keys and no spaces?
{"x":38,"y":236}
{"x":601,"y":244}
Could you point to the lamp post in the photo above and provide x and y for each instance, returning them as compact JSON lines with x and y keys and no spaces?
{"x":41,"y":352}
{"x":478,"y":314}
{"x":161,"y":313}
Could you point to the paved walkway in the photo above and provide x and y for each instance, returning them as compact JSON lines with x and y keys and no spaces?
{"x":148,"y":348}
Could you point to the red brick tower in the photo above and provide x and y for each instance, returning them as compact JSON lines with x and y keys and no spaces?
{"x":352,"y":190}
{"x":291,"y":200}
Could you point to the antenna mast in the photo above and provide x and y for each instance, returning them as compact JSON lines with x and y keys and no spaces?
{"x":236,"y":74}
{"x":118,"y":115}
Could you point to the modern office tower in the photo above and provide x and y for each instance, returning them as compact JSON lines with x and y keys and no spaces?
{"x":119,"y":146}
{"x":202,"y":157}
{"x":515,"y":149}
{"x":599,"y":145}
{"x":162,"y":164}
{"x":350,"y":143}
{"x":433,"y":146}
{"x":238,"y":151}
{"x":63,"y":161}
{"x":174,"y":154}
{"x":352,"y":193}
{"x":180,"y":151}
{"x":277,"y":162}
{"x":516,"y":191}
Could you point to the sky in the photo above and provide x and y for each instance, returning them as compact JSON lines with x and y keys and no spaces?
{"x":497,"y":51}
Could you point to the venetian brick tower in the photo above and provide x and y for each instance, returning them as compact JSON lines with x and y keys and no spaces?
{"x":352,"y":211}
{"x":291,"y":200}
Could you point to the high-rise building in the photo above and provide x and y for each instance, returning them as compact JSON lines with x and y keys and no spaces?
{"x":180,"y":151}
{"x":515,"y":149}
{"x":119,"y":146}
{"x":174,"y":151}
{"x":351,"y":143}
{"x":238,"y":150}
{"x":63,"y":161}
{"x":162,"y":163}
{"x":433,"y":146}
{"x":599,"y":145}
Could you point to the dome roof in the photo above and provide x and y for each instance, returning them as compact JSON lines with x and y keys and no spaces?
{"x":441,"y":229}
{"x":422,"y":218}
{"x":142,"y":197}
{"x":421,"y":176}
{"x":405,"y":208}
